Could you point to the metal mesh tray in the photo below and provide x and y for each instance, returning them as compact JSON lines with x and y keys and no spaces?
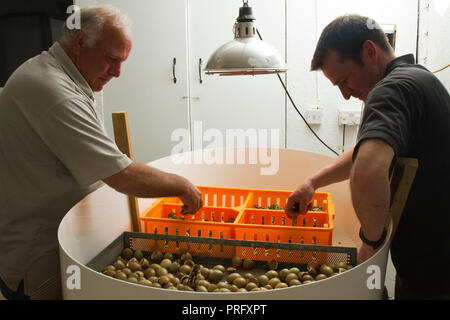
{"x":287,"y":254}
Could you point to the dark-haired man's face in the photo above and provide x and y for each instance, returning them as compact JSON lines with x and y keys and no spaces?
{"x":353,"y":79}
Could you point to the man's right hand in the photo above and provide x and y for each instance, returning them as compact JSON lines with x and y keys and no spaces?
{"x":299,"y":201}
{"x":191,"y":198}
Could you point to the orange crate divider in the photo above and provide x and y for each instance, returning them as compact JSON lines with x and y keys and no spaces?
{"x":224,"y":197}
{"x":214,"y":197}
{"x":267,"y":198}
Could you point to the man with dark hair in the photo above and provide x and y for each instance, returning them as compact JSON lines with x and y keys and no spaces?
{"x":406,"y":114}
{"x":346,"y":35}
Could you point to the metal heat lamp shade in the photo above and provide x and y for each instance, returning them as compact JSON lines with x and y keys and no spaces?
{"x":246,"y":54}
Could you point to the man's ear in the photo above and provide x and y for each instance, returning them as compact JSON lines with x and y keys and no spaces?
{"x":78,"y":42}
{"x":370,"y":51}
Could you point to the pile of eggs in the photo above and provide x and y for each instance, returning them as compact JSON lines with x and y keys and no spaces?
{"x":163,"y":270}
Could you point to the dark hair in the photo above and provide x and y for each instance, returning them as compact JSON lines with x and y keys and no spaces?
{"x":346,"y":35}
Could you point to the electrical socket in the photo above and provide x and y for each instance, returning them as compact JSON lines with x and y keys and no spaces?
{"x":314,"y":115}
{"x":349,"y":117}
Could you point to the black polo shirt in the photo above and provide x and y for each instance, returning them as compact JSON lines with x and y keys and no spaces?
{"x":410,"y":110}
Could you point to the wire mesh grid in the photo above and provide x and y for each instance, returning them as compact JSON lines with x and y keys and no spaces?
{"x":214,"y":250}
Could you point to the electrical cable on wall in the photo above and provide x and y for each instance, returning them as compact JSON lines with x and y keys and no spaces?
{"x":296,"y":109}
{"x":442,"y":69}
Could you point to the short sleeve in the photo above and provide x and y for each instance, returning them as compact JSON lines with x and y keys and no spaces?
{"x":387,"y":116}
{"x":72,"y":132}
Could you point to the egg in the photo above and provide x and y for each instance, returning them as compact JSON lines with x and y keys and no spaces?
{"x":156,"y":256}
{"x":161,"y":272}
{"x":138,"y":254}
{"x":290,"y":276}
{"x":271,"y":274}
{"x":240,"y":282}
{"x":134,"y":266}
{"x":326,"y":270}
{"x":232,"y":277}
{"x":174,"y":266}
{"x":250,"y":286}
{"x":247,"y":264}
{"x":236,"y":262}
{"x":294,"y":282}
{"x":127,"y":253}
{"x":186,"y":269}
{"x":144,"y":263}
{"x":263,"y":280}
{"x":273,"y":282}
{"x":215,"y":275}
{"x":166,"y":263}
{"x":119,"y":264}
{"x":320,"y":276}
{"x":281,"y":285}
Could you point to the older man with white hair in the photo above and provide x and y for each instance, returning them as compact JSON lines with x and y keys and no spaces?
{"x":54,"y":149}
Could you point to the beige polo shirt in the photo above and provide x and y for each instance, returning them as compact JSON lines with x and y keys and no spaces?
{"x":53,"y":152}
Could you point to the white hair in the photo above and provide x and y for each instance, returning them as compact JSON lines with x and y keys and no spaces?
{"x":92,"y":20}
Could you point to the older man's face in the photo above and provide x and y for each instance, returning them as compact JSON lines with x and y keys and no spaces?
{"x":102,"y":62}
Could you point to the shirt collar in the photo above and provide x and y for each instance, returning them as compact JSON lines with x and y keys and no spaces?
{"x":69,"y":67}
{"x":406,"y":59}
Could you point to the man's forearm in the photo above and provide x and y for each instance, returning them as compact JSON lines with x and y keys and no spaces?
{"x":369,"y":183}
{"x":370,"y":197}
{"x":144,"y":181}
{"x":337,"y":171}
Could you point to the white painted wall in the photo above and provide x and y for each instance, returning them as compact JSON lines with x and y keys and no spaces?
{"x":434,"y":41}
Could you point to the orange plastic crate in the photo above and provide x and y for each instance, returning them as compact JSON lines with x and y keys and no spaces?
{"x":263,"y":224}
{"x":315,"y":227}
{"x":242,"y":214}
{"x":211,"y":222}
